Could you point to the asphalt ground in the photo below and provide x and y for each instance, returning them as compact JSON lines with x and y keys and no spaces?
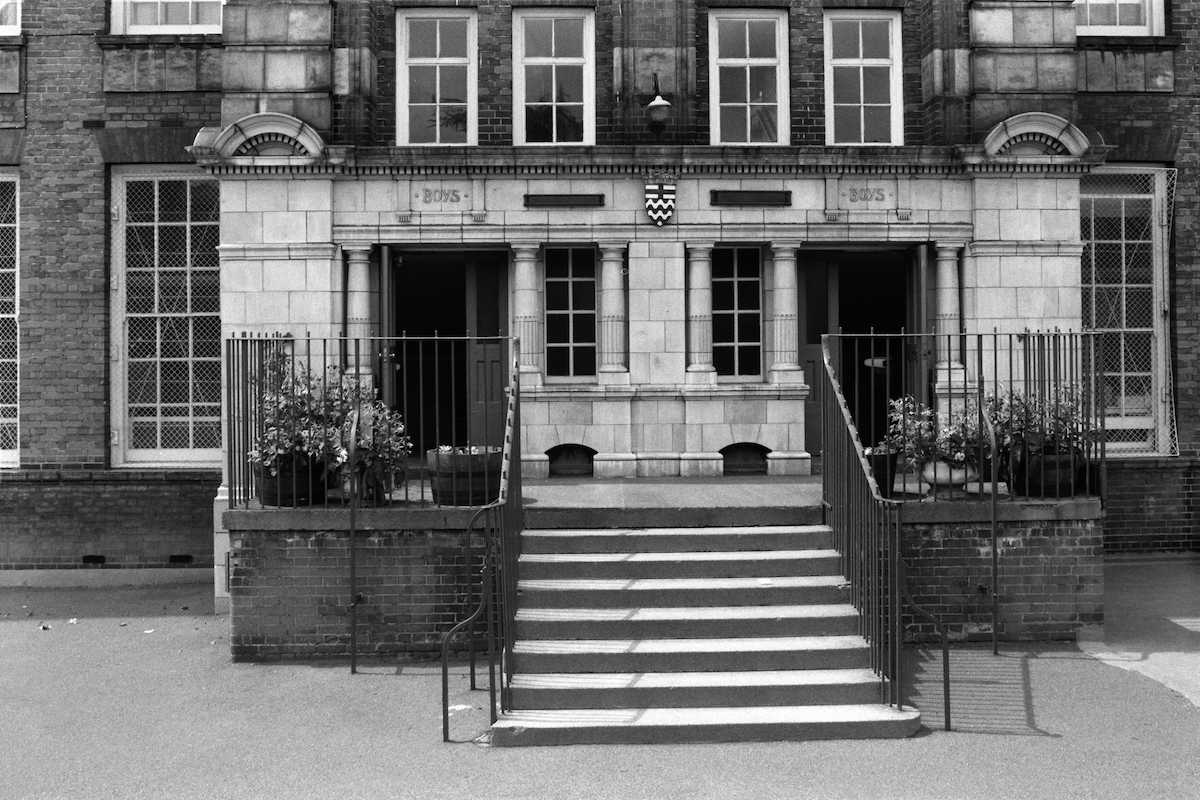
{"x":130,"y":693}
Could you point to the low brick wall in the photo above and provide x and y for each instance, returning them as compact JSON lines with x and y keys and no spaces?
{"x":290,"y":581}
{"x":1152,"y":505}
{"x":1051,"y":569}
{"x":106,"y":519}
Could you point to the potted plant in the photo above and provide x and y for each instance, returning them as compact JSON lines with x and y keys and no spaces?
{"x":464,"y":475}
{"x":381,"y":451}
{"x":944,"y":449}
{"x":298,"y":438}
{"x":1045,"y":437}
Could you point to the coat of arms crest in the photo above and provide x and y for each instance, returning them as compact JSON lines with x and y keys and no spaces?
{"x":660,"y":196}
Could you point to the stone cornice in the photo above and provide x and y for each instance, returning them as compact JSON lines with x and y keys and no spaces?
{"x":683,"y":161}
{"x":1039,"y":248}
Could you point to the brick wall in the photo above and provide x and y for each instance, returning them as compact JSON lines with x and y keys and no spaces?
{"x":133,"y":519}
{"x":1051,"y":578}
{"x":1152,"y":505}
{"x":289,"y":591}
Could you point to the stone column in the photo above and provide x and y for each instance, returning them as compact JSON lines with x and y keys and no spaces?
{"x":359,"y":323}
{"x":700,"y":367}
{"x":613,"y":315}
{"x":950,"y":375}
{"x":785,"y":360}
{"x":528,"y":317}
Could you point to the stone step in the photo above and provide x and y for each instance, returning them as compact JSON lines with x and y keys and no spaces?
{"x":682,"y":622}
{"x":695,"y":689}
{"x":541,"y":517}
{"x":726,"y":564}
{"x":619,"y":592}
{"x":660,"y":540}
{"x":683,"y":655}
{"x":688,"y":725}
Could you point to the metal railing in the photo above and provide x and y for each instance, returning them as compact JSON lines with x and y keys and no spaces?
{"x":919,"y":403}
{"x":866,"y":531}
{"x":426,"y":404}
{"x":500,"y":523}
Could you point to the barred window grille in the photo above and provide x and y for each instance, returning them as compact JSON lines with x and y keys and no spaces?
{"x":570,"y":312}
{"x":1124,"y":224}
{"x":172,"y":320}
{"x":737,"y":311}
{"x":9,"y":342}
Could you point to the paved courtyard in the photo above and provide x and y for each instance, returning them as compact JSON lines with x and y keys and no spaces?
{"x":129,"y":693}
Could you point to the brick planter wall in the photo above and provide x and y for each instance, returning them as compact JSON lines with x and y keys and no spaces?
{"x":131,"y":519}
{"x":1051,"y":569}
{"x":290,"y":582}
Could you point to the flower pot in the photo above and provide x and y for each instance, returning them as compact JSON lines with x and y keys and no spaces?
{"x":883,"y":469}
{"x":373,"y":494}
{"x":942,"y":473}
{"x":1043,"y":473}
{"x":296,"y":484}
{"x":465,"y":479}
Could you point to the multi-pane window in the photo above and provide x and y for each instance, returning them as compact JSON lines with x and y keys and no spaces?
{"x":863,"y":97}
{"x":554,"y":76}
{"x":748,"y":89}
{"x":1119,"y":17}
{"x":170,"y":341}
{"x":1123,"y":281}
{"x":167,"y":16}
{"x":10,"y":17}
{"x":437,"y":80}
{"x":9,"y":358}
{"x":737,"y":311}
{"x":570,"y":312}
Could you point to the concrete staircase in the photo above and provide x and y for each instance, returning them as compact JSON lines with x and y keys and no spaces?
{"x":696,"y":634}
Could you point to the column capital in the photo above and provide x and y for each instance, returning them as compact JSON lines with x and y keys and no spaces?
{"x":786,"y":244}
{"x":699,"y":247}
{"x":526,"y":249}
{"x":357,"y":247}
{"x":948,"y":247}
{"x":613,"y":248}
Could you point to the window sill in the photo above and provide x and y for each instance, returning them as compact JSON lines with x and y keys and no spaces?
{"x":115,"y":41}
{"x":1128,"y":42}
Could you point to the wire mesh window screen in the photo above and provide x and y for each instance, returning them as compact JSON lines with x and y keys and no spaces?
{"x":172,"y":315}
{"x":1124,"y":220}
{"x":8,"y":324}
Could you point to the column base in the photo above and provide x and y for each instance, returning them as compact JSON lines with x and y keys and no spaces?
{"x":613,"y":377}
{"x":786,"y":374}
{"x":788,"y":462}
{"x":701,"y":376}
{"x":614,"y":465}
{"x":701,"y":465}
{"x":535,"y":466}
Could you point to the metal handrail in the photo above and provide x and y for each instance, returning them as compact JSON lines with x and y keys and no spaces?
{"x":865,"y":529}
{"x":508,"y":549}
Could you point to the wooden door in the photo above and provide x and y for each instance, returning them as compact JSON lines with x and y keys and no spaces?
{"x":487,"y":369}
{"x":818,"y":307}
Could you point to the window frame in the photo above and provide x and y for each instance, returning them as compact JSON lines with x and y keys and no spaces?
{"x":15,"y":28}
{"x":403,"y":15}
{"x":124,"y":454}
{"x":571,"y":345}
{"x":588,"y":62}
{"x":122,"y":22}
{"x":1159,"y":419}
{"x":1153,"y":25}
{"x":782,"y":74}
{"x":895,"y":63}
{"x":736,"y":312}
{"x":11,"y":457}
